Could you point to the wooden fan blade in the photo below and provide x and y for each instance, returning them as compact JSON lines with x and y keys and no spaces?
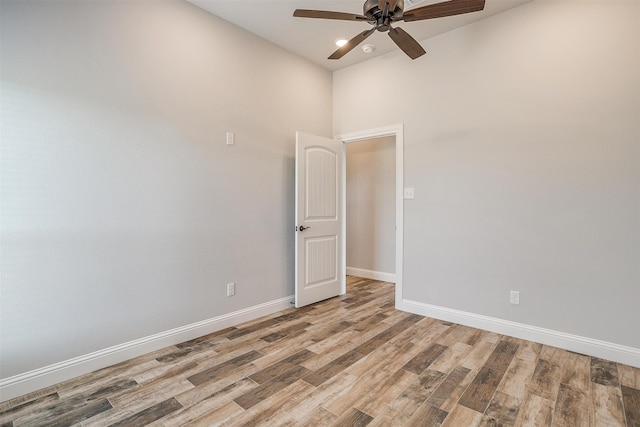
{"x":351,"y":44}
{"x":440,"y":10}
{"x":325,"y":14}
{"x":408,"y":44}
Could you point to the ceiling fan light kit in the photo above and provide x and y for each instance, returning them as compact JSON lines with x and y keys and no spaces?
{"x":381,"y":14}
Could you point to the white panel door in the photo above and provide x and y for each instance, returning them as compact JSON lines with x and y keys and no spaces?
{"x":318,"y":219}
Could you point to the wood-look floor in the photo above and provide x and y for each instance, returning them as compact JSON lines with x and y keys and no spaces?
{"x":348,"y":361}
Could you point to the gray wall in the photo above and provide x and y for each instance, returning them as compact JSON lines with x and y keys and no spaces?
{"x":124,"y":214}
{"x":371,"y":206}
{"x":522,"y":140}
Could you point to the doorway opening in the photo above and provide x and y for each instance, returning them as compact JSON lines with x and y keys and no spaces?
{"x":395,"y":133}
{"x":370,"y":208}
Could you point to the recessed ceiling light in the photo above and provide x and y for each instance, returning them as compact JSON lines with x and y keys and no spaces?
{"x":341,"y":42}
{"x":368,"y":48}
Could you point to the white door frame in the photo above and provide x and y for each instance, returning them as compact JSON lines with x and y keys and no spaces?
{"x":398,"y":132}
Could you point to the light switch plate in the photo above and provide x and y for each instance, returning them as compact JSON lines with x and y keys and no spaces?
{"x":514,"y":297}
{"x":231,"y":289}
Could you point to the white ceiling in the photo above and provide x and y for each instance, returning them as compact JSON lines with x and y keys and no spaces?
{"x":315,"y":39}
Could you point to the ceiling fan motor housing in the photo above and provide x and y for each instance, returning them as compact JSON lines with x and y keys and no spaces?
{"x":372,"y":11}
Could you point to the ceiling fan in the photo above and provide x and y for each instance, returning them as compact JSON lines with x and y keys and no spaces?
{"x":382,"y":13}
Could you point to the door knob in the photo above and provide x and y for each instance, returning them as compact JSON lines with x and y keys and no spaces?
{"x":302,"y":228}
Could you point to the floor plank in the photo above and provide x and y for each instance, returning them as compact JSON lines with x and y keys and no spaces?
{"x":606,"y":402}
{"x":353,"y":418}
{"x":214,"y":401}
{"x":420,"y":362}
{"x":572,"y":407}
{"x":604,"y":372}
{"x":449,"y":391}
{"x":631,"y":401}
{"x":273,"y":385}
{"x":545,"y":381}
{"x":481,"y":389}
{"x":272,"y":405}
{"x":225,"y":367}
{"x":534,"y":411}
{"x":401,"y":409}
{"x":427,"y":415}
{"x":150,"y":414}
{"x":517,"y":378}
{"x":629,"y":376}
{"x":502,"y":410}
{"x":462,"y":416}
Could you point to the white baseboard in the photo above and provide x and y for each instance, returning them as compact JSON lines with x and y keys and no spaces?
{"x":370,"y":274}
{"x":592,"y":347}
{"x":37,"y":379}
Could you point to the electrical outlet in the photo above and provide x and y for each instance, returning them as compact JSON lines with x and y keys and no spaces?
{"x":514,"y":297}
{"x":409,"y":193}
{"x":231,"y":289}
